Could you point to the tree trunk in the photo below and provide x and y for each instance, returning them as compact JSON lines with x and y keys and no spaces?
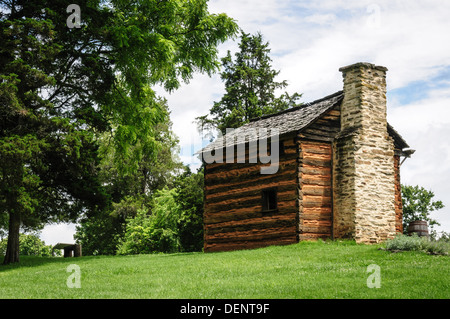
{"x":12,"y":248}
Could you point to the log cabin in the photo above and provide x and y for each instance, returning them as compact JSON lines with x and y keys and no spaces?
{"x":335,"y":171}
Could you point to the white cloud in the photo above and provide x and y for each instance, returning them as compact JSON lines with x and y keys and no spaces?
{"x":322,"y":19}
{"x":312,"y":39}
{"x":250,"y":14}
{"x":190,"y":101}
{"x":425,"y":125}
{"x":58,"y":233}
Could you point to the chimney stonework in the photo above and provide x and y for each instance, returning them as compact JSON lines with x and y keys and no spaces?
{"x":363,"y":161}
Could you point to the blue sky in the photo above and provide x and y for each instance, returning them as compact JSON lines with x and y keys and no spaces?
{"x":311,"y":40}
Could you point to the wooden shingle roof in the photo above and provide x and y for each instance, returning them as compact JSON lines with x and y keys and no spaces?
{"x":293,"y":119}
{"x":287,"y":121}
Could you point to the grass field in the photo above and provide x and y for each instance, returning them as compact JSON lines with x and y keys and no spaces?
{"x":304,"y":270}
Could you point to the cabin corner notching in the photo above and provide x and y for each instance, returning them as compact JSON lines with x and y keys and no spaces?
{"x":337,"y":172}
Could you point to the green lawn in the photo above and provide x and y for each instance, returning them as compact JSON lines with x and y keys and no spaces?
{"x":304,"y":270}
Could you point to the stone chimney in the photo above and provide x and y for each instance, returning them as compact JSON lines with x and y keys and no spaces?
{"x":363,"y":163}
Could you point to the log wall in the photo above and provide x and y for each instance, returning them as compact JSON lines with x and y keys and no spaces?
{"x":233,"y":217}
{"x":315,"y":176}
{"x":315,"y":195}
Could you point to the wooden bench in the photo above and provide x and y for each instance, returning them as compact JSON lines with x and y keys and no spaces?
{"x":70,"y":250}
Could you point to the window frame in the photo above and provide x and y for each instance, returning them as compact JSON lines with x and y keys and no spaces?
{"x":267,"y":195}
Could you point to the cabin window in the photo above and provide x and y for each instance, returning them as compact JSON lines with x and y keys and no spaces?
{"x":269,"y":200}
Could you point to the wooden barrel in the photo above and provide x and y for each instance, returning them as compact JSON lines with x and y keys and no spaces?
{"x":420,"y":227}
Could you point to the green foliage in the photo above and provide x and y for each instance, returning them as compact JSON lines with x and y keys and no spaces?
{"x":250,"y":87}
{"x":150,"y":170}
{"x":31,"y":245}
{"x":442,"y":236}
{"x":155,"y":232}
{"x":100,"y":233}
{"x":62,"y":90}
{"x":403,"y":242}
{"x":153,"y":43}
{"x":189,"y":196}
{"x":415,"y":243}
{"x":439,"y":247}
{"x":134,"y":224}
{"x":417,"y":204}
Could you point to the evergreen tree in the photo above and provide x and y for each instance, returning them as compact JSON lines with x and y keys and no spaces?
{"x":250,"y":87}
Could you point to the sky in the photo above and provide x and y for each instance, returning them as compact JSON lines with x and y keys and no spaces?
{"x":309,"y":42}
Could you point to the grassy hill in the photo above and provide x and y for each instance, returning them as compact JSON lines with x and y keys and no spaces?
{"x":304,"y":270}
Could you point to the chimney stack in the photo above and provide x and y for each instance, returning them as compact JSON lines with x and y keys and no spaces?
{"x":363,"y":163}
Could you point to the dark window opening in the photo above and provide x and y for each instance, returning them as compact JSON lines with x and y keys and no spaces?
{"x":269,"y":199}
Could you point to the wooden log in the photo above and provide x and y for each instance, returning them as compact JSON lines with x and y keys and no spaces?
{"x":322,"y":130}
{"x":236,"y":175}
{"x":248,"y":189}
{"x":317,"y":156}
{"x":326,"y":230}
{"x":316,"y":190}
{"x":317,"y":200}
{"x":316,"y":137}
{"x":285,"y":207}
{"x":316,"y":148}
{"x":272,"y":218}
{"x":242,"y":227}
{"x":290,"y":183}
{"x":310,"y":204}
{"x":315,"y":216}
{"x":317,"y":210}
{"x":248,"y":213}
{"x":241,"y":180}
{"x":213,"y":247}
{"x":243,"y":202}
{"x":286,"y":194}
{"x":316,"y":223}
{"x":316,"y":162}
{"x":214,"y":167}
{"x":315,"y":170}
{"x":252,"y":235}
{"x":316,"y":180}
{"x":313,"y":236}
{"x":315,"y":203}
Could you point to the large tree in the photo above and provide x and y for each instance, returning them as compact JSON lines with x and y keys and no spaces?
{"x":100,"y":232}
{"x":61,"y":88}
{"x":251,"y":87}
